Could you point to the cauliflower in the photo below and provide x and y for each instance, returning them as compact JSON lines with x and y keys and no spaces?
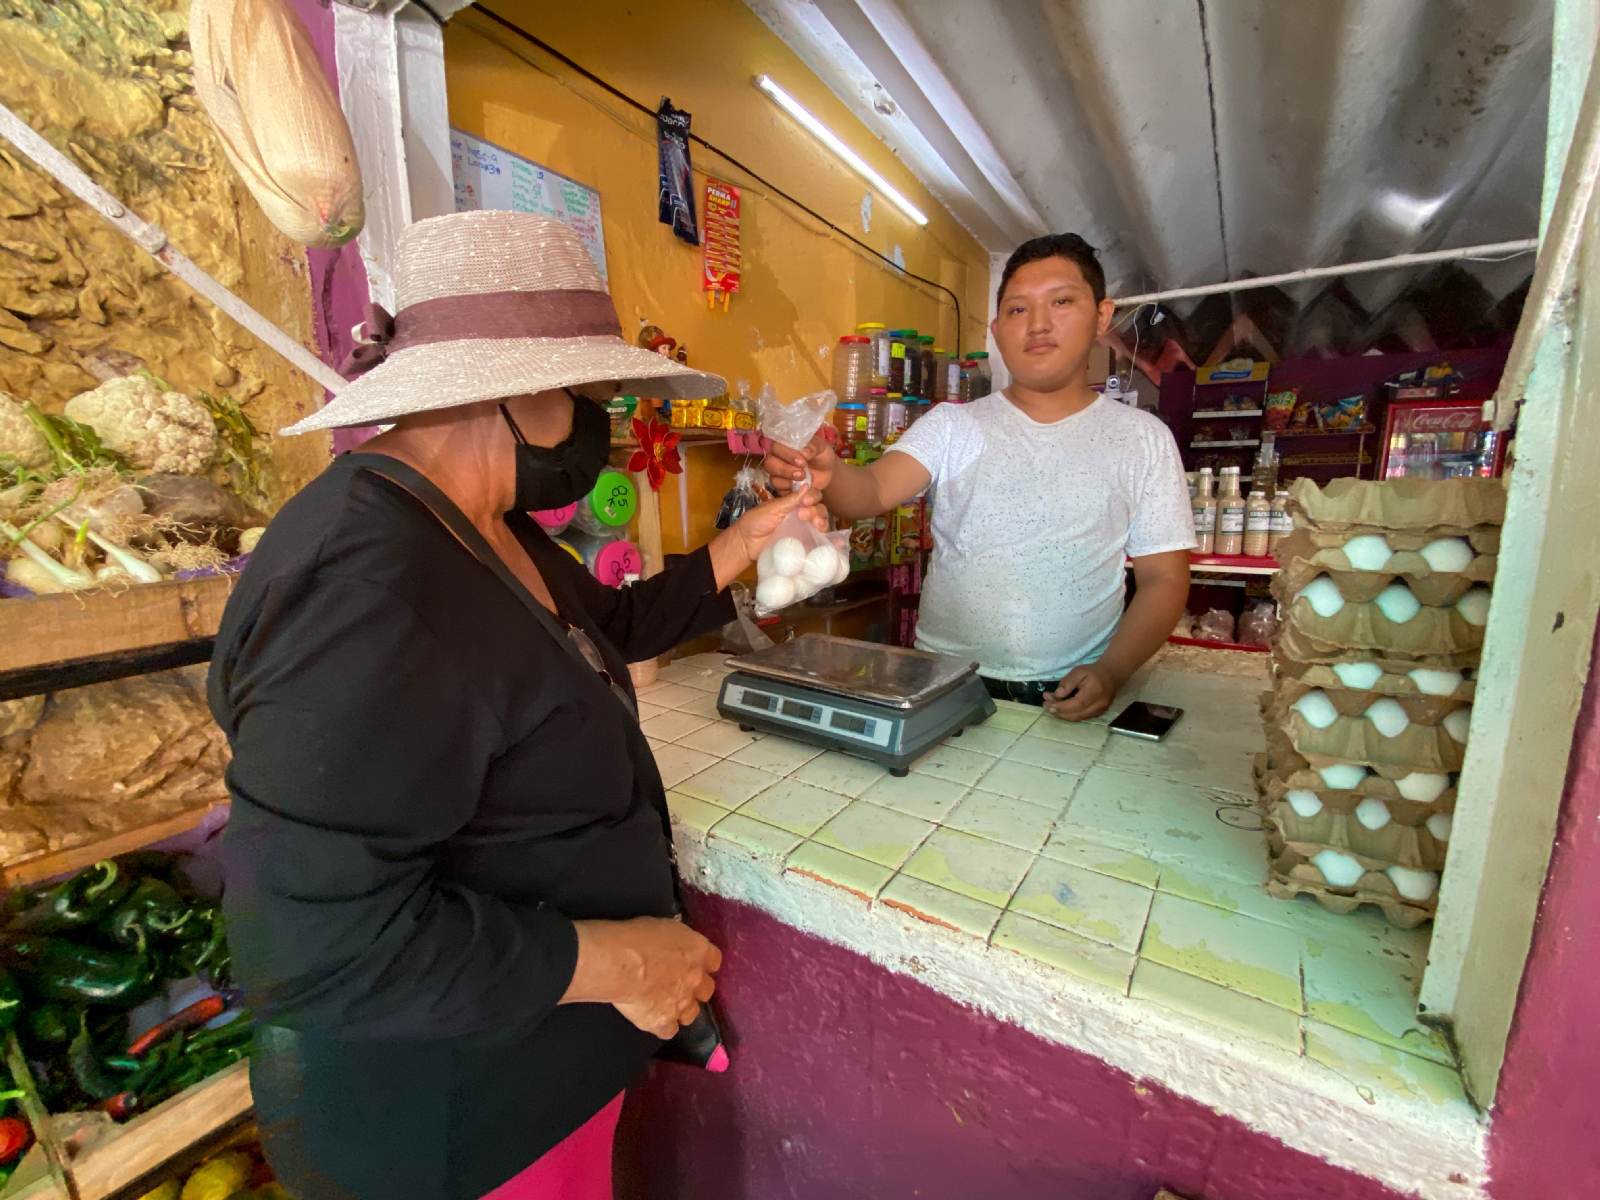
{"x":20,"y":438}
{"x":166,"y":432}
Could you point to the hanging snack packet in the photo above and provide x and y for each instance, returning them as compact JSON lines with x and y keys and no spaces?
{"x":676,"y":204}
{"x":749,"y":486}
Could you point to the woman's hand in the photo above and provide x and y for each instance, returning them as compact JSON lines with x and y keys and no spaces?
{"x":736,"y":547}
{"x":654,"y":971}
{"x":787,"y":466}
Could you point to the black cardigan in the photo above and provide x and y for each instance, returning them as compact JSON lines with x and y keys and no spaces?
{"x":427,"y":792}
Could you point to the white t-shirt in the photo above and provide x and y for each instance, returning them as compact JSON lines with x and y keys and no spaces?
{"x":1031,"y":524}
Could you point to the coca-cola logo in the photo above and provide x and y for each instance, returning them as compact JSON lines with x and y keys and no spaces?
{"x":1438,"y":420}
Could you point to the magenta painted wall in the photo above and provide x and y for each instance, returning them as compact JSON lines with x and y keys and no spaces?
{"x":849,"y":1081}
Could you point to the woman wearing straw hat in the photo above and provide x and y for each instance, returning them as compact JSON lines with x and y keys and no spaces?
{"x":450,"y":887}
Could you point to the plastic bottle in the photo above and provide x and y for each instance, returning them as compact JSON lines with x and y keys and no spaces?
{"x":984,"y":384}
{"x":1257,"y":523}
{"x":1264,"y":476}
{"x":878,"y":335}
{"x":1230,"y":514}
{"x":899,"y":358}
{"x":968,"y":380}
{"x":877,"y":414}
{"x":852,"y":369}
{"x":1205,"y":514}
{"x":1282,"y":522}
{"x":850,"y":419}
{"x":951,"y":372}
{"x":894,"y":416}
{"x":927,"y":368}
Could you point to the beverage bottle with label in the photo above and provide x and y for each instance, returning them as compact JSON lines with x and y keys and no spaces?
{"x":1282,"y":522}
{"x":1230,"y":514}
{"x":1205,"y":514}
{"x":1257,"y":523}
{"x":1264,"y":477}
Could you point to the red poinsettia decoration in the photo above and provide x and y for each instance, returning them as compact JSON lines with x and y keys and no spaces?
{"x":657,"y":454}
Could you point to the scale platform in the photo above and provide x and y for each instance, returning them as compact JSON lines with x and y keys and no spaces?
{"x":886,"y":704}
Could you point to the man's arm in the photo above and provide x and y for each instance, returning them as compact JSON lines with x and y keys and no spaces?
{"x":1158,"y":603}
{"x":849,"y":492}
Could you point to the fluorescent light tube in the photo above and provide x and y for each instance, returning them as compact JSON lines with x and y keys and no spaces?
{"x":831,"y":140}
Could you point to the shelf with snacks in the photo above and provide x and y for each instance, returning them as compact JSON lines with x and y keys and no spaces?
{"x":1231,"y":444}
{"x":1348,"y":431}
{"x":1222,"y":414}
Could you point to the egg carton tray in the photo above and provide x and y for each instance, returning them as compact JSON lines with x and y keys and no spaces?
{"x":1394,"y":845}
{"x":1395,"y":679}
{"x":1282,"y":761}
{"x":1401,"y":913}
{"x":1355,"y":740}
{"x":1452,"y":506}
{"x":1354,"y":702}
{"x":1273,"y":789}
{"x":1327,"y":545}
{"x":1441,"y":635}
{"x":1436,"y":589}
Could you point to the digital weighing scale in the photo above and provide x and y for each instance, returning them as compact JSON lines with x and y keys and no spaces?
{"x":883,"y":703}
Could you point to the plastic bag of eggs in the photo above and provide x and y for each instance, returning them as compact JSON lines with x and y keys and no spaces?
{"x":788,"y":570}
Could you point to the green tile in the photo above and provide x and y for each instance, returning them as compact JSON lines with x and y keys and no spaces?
{"x":1221,"y":1007}
{"x":1015,"y":718}
{"x":780,"y":755}
{"x":940,"y":906}
{"x":917,"y":795}
{"x":954,"y":764}
{"x":1371,"y":993}
{"x":1119,"y":864}
{"x":677,"y":763}
{"x":1091,"y":734}
{"x":1002,"y":819}
{"x":1248,"y":899}
{"x":728,"y":784}
{"x":1084,"y":902}
{"x":878,"y":834}
{"x":1237,"y":952}
{"x":1064,"y":757}
{"x":1088,"y":960}
{"x":1213,"y":745}
{"x":960,"y":862}
{"x":797,"y":807}
{"x":1371,"y":1067}
{"x":841,"y":870}
{"x":693,"y":813}
{"x":763,"y":840}
{"x":670,"y":726}
{"x":1048,"y":789}
{"x":842,"y":773}
{"x":721,"y":738}
{"x":985,"y":739}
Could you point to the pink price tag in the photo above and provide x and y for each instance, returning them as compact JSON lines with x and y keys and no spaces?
{"x":616,"y":561}
{"x":556,"y":518}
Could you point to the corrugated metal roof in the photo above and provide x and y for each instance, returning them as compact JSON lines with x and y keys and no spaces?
{"x":1200,"y":140}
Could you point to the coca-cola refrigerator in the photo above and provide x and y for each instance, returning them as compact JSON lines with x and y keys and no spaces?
{"x":1439,"y":439}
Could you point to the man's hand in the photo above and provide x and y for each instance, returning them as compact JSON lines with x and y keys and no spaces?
{"x":1084,"y":692}
{"x":787,"y":466}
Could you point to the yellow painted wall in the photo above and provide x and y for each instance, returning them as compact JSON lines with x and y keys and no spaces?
{"x":803,"y":285}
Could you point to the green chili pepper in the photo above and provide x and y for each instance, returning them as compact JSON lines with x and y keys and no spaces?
{"x":49,"y":1023}
{"x":81,"y":900}
{"x":61,"y":970}
{"x":85,"y":1065}
{"x":152,"y":908}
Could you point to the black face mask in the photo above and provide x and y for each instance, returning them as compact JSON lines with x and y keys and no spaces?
{"x":556,"y":476}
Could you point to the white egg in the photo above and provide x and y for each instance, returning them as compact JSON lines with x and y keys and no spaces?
{"x":1422,"y":786}
{"x":1449,"y":555}
{"x":842,"y":569}
{"x":1387,"y":717}
{"x":1323,"y":595}
{"x":1369,"y":552}
{"x":1317,"y":709}
{"x":1343,"y":776}
{"x":1340,"y":870}
{"x":1474,"y":606}
{"x":1358,"y":674}
{"x":1412,"y":884}
{"x":822,"y":563}
{"x":1457,"y":723}
{"x":775,"y":592}
{"x":1431,"y":682}
{"x":1373,"y":813}
{"x":764,"y":565}
{"x":1398,"y":604}
{"x":788,"y":556}
{"x":1439,"y":825}
{"x":1305,"y":802}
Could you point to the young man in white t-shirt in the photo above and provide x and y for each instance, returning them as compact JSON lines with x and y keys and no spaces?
{"x":1040,"y":493}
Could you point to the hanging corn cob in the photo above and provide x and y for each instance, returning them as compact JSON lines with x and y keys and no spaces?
{"x":261,"y":83}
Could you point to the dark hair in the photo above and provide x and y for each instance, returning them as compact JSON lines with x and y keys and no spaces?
{"x":1057,"y":245}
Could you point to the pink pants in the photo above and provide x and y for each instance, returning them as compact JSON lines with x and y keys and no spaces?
{"x":576,"y":1168}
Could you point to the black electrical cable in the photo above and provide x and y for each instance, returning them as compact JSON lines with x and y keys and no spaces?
{"x":723,"y":154}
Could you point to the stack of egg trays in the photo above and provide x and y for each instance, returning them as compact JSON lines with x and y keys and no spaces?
{"x":1384,"y":592}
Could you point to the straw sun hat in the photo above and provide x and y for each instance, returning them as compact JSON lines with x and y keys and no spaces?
{"x":494,"y":304}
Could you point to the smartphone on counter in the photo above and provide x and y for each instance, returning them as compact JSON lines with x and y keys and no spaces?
{"x":1149,"y":721}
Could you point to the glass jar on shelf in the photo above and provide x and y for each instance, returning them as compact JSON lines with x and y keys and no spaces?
{"x":852,"y":369}
{"x":898,"y":358}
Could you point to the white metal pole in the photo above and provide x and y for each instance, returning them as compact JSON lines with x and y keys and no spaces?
{"x":1493,"y":250}
{"x":153,"y":239}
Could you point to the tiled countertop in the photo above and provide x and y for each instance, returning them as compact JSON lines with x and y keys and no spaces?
{"x":1100,"y":891}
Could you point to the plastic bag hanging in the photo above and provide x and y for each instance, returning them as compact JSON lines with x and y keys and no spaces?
{"x":676,"y":204}
{"x":749,"y":484}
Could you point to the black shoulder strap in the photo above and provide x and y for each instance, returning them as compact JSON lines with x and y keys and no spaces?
{"x":453,"y":519}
